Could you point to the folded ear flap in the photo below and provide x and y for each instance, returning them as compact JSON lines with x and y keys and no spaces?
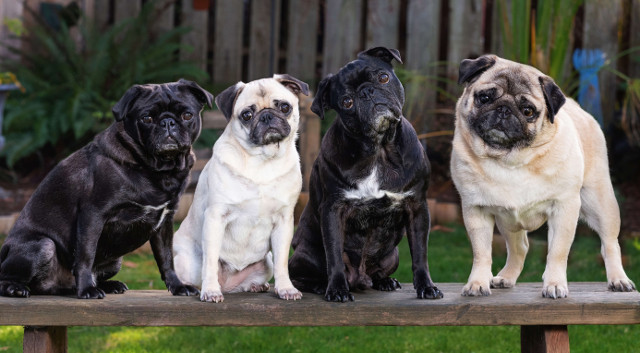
{"x":553,"y":96}
{"x":293,"y":84}
{"x":321,"y":100}
{"x":202,"y":95}
{"x":121,"y":109}
{"x":227,"y":98}
{"x":383,"y":53}
{"x":470,"y":69}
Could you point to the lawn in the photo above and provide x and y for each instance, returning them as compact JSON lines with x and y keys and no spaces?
{"x":450,"y":261}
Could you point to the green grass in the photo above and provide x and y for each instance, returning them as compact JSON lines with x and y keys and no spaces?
{"x":450,"y":261}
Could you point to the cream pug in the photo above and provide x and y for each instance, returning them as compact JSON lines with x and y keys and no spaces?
{"x":523,"y":154}
{"x":242,"y":210}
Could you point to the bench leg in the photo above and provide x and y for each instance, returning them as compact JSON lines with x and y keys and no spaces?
{"x":544,"y":339}
{"x":49,"y":339}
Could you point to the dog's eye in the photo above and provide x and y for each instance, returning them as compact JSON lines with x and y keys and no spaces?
{"x":285,"y":108}
{"x":528,"y":112}
{"x":246,"y":115}
{"x":187,"y":116}
{"x":347,"y":102}
{"x":483,"y":98}
{"x":147,"y":119}
{"x":383,"y":78}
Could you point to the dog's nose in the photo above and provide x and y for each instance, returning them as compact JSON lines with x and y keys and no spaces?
{"x":503,"y":111}
{"x":167,"y":123}
{"x":266,"y":117}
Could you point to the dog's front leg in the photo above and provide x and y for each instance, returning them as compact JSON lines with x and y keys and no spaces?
{"x":90,"y":225}
{"x":479,"y":224}
{"x":418,"y":237}
{"x":280,"y":244}
{"x":333,"y":241}
{"x":213,"y":228}
{"x":563,"y":220}
{"x":162,"y":246}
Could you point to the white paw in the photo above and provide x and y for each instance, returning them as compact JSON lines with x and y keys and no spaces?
{"x":257,"y":288}
{"x":476,"y":289}
{"x":555,"y":290}
{"x":502,"y":282}
{"x":211,"y":296}
{"x":621,"y":285}
{"x":289,"y":293}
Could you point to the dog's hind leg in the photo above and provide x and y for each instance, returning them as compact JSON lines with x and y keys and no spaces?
{"x":517,"y":247}
{"x":387,"y":266}
{"x":104,"y":272}
{"x":600,"y":210}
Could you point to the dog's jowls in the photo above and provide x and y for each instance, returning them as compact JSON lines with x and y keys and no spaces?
{"x":367,"y":189}
{"x":523,"y":155}
{"x":242,"y":210}
{"x":109,"y":198}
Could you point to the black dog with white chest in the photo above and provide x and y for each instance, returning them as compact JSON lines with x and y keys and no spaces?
{"x":108,"y":199}
{"x":367,"y":189}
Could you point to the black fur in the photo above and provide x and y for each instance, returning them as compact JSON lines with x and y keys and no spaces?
{"x":470,"y":69}
{"x":342,"y":243}
{"x":107,"y":199}
{"x":553,"y":96}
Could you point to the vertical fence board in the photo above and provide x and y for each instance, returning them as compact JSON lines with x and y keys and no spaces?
{"x":634,"y":65}
{"x":227,"y":67}
{"x":383,"y":22}
{"x":10,"y":9}
{"x":126,"y":9}
{"x":197,"y":20}
{"x":263,"y":49}
{"x":164,"y":14}
{"x":101,"y":13}
{"x":303,"y":39}
{"x":601,"y":32}
{"x":342,"y":33}
{"x":423,"y":32}
{"x":465,"y":36}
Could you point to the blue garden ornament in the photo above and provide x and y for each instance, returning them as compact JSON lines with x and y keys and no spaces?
{"x":588,"y":63}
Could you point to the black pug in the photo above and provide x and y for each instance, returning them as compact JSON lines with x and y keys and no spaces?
{"x":109,"y":198}
{"x":368,"y":187}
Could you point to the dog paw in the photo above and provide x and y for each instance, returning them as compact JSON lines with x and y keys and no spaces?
{"x":502,"y":282}
{"x":211,"y":296}
{"x":184,"y":290}
{"x":555,"y":290}
{"x":476,"y":289}
{"x":18,"y":290}
{"x":386,"y":284}
{"x":91,"y":293}
{"x":258,"y":288}
{"x":113,"y":287}
{"x":429,"y":292}
{"x":290,"y":293}
{"x":338,"y":295}
{"x":621,"y":285}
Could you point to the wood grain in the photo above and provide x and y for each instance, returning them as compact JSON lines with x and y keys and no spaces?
{"x":383,"y":23}
{"x":227,"y":56}
{"x":263,"y":49}
{"x":544,"y":339}
{"x":588,"y":303}
{"x":310,"y":127}
{"x":342,"y":34}
{"x":198,"y":21}
{"x":52,"y":339}
{"x":302,"y":40}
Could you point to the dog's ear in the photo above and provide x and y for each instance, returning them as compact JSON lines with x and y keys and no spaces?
{"x":121,"y":109}
{"x":293,"y":84}
{"x":553,"y":96}
{"x":203,"y":96}
{"x":470,"y":69}
{"x":227,"y":98}
{"x":321,"y":100}
{"x":383,"y":53}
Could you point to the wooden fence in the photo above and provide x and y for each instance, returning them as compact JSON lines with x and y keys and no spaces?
{"x":247,"y":39}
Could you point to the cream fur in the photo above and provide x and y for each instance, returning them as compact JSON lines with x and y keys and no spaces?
{"x":564,"y":175}
{"x":242,"y":210}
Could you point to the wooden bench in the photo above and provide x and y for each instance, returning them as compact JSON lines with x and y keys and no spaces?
{"x":543,"y":321}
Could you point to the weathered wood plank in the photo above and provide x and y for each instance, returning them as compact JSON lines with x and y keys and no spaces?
{"x":164,"y":20}
{"x":309,"y":139}
{"x":198,"y":21}
{"x":51,"y":339}
{"x":213,"y":119}
{"x":589,"y":303}
{"x":342,"y":34}
{"x":302,"y":39}
{"x":227,"y":64}
{"x":383,"y":23}
{"x":544,"y":339}
{"x":263,"y":49}
{"x":601,"y":19}
{"x":465,"y":36}
{"x":126,"y":9}
{"x":423,"y":33}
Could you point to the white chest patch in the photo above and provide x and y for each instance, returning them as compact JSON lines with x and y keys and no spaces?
{"x":369,"y":188}
{"x":148,"y":209}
